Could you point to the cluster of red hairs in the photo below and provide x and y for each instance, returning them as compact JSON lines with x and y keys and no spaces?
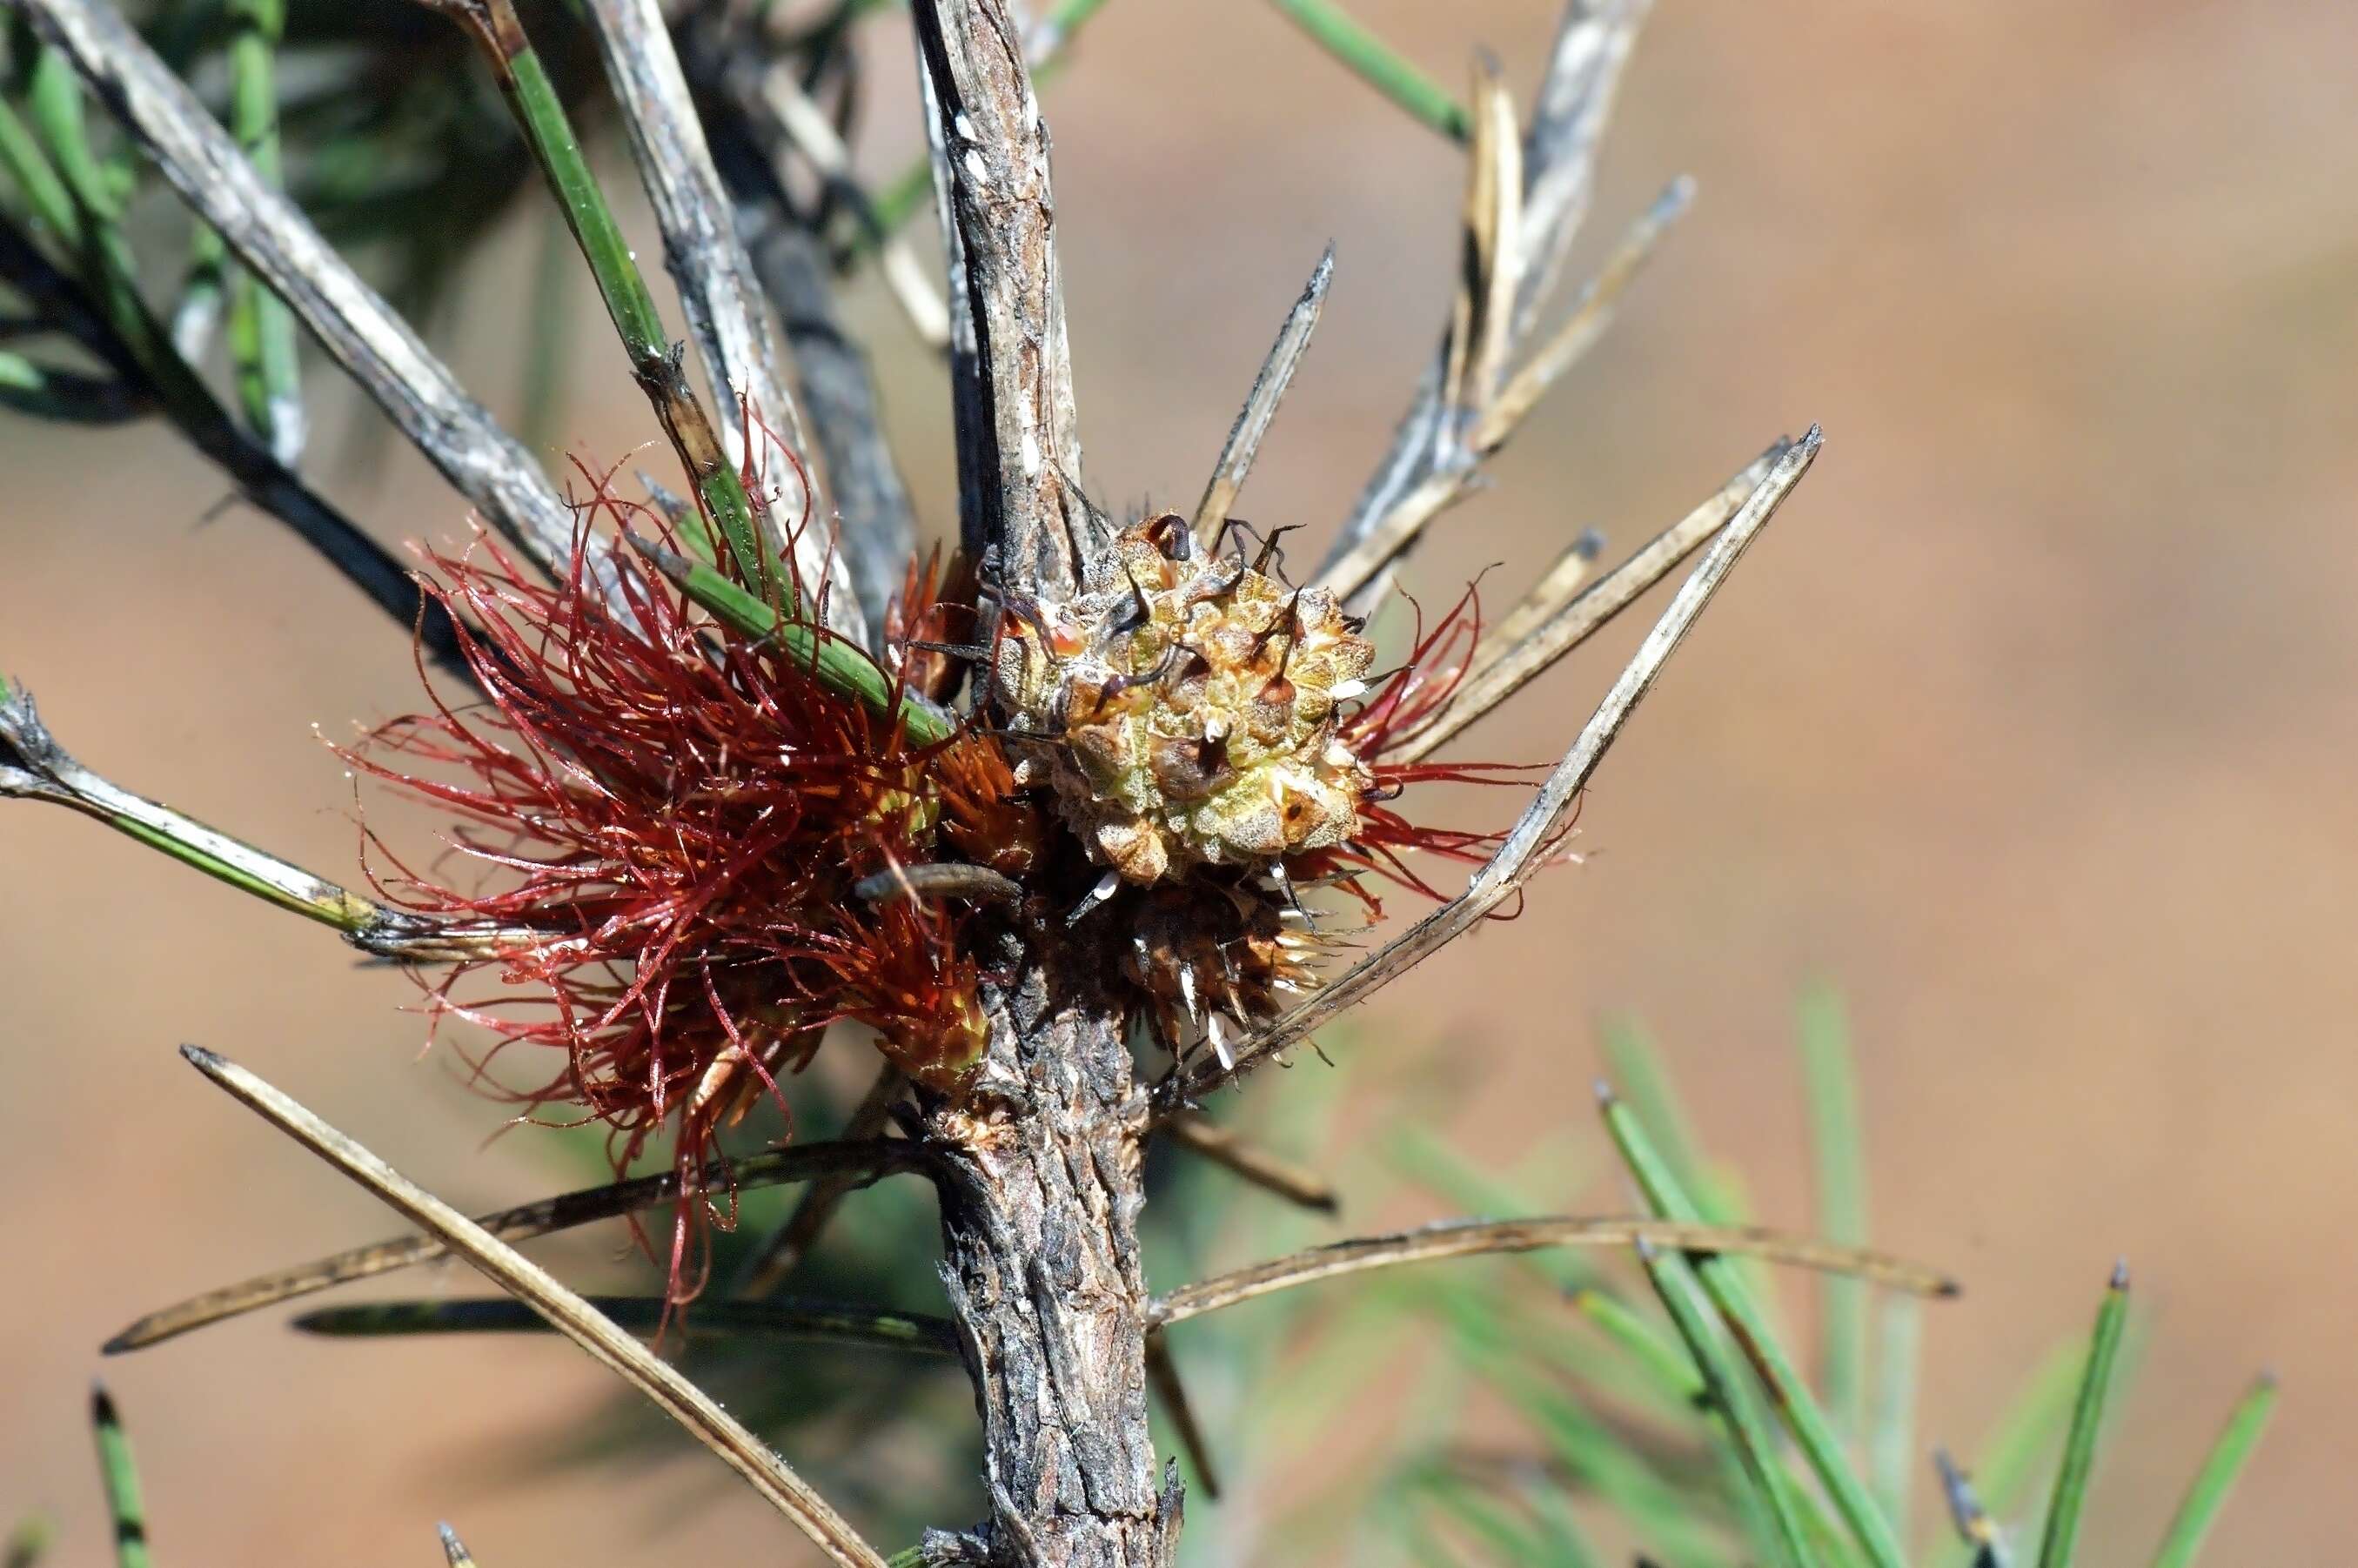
{"x":1403,"y":704}
{"x":670,"y":817}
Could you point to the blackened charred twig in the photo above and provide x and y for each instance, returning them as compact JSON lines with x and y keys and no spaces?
{"x":1472,"y":1238}
{"x":1526,"y":848}
{"x":1264,"y":1170}
{"x":802,"y":1162}
{"x":738,"y":1448}
{"x":1163,"y":1372}
{"x":350,"y":321}
{"x":877,"y":524}
{"x":776,"y":1259}
{"x":827,"y":1323}
{"x":1261,"y":406}
{"x":166,"y":384}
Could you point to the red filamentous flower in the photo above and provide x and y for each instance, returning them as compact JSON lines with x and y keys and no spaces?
{"x":1406,"y":702}
{"x":672,"y":815}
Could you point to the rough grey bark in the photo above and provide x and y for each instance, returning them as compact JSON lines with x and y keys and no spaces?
{"x":1041,"y":1204}
{"x":1041,"y":1198}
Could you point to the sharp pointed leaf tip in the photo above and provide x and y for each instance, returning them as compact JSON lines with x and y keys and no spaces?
{"x":2120,"y":1279}
{"x":202,"y":1060}
{"x":671,"y":563}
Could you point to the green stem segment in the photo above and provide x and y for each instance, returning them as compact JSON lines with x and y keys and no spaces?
{"x":33,"y":766}
{"x":1749,"y":1326}
{"x":120,"y":1475}
{"x":2055,"y":1549}
{"x":1724,"y":1384}
{"x":654,"y":359}
{"x":838,"y":664}
{"x":262,"y":330}
{"x":68,"y":194}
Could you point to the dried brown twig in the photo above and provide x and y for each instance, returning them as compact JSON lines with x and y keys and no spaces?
{"x":1474,"y":1237}
{"x":1232,"y":1151}
{"x":1525,"y":206}
{"x":1261,"y":406}
{"x":776,"y":1257}
{"x":738,"y":1448}
{"x":1504,"y":665}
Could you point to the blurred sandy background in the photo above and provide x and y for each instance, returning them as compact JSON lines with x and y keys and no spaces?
{"x":2031,"y":723}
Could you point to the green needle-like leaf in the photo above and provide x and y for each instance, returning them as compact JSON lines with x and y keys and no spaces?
{"x":1375,"y":61}
{"x":28,"y":1543}
{"x":28,"y":386}
{"x":198,"y":312}
{"x":2217,"y":1477}
{"x":1645,"y":1083}
{"x":1832,"y":1080}
{"x":1745,"y":1320}
{"x":46,"y":198}
{"x":120,"y":1478}
{"x":654,"y":359}
{"x":1891,"y":1438}
{"x":2062,"y":1535}
{"x":90,"y":226}
{"x":1731,"y":1393}
{"x":1672,"y":1372}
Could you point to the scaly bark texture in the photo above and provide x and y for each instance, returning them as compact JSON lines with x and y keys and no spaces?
{"x":1040,"y":1210}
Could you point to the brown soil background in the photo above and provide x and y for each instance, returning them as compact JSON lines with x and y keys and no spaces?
{"x":2031,"y":723}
